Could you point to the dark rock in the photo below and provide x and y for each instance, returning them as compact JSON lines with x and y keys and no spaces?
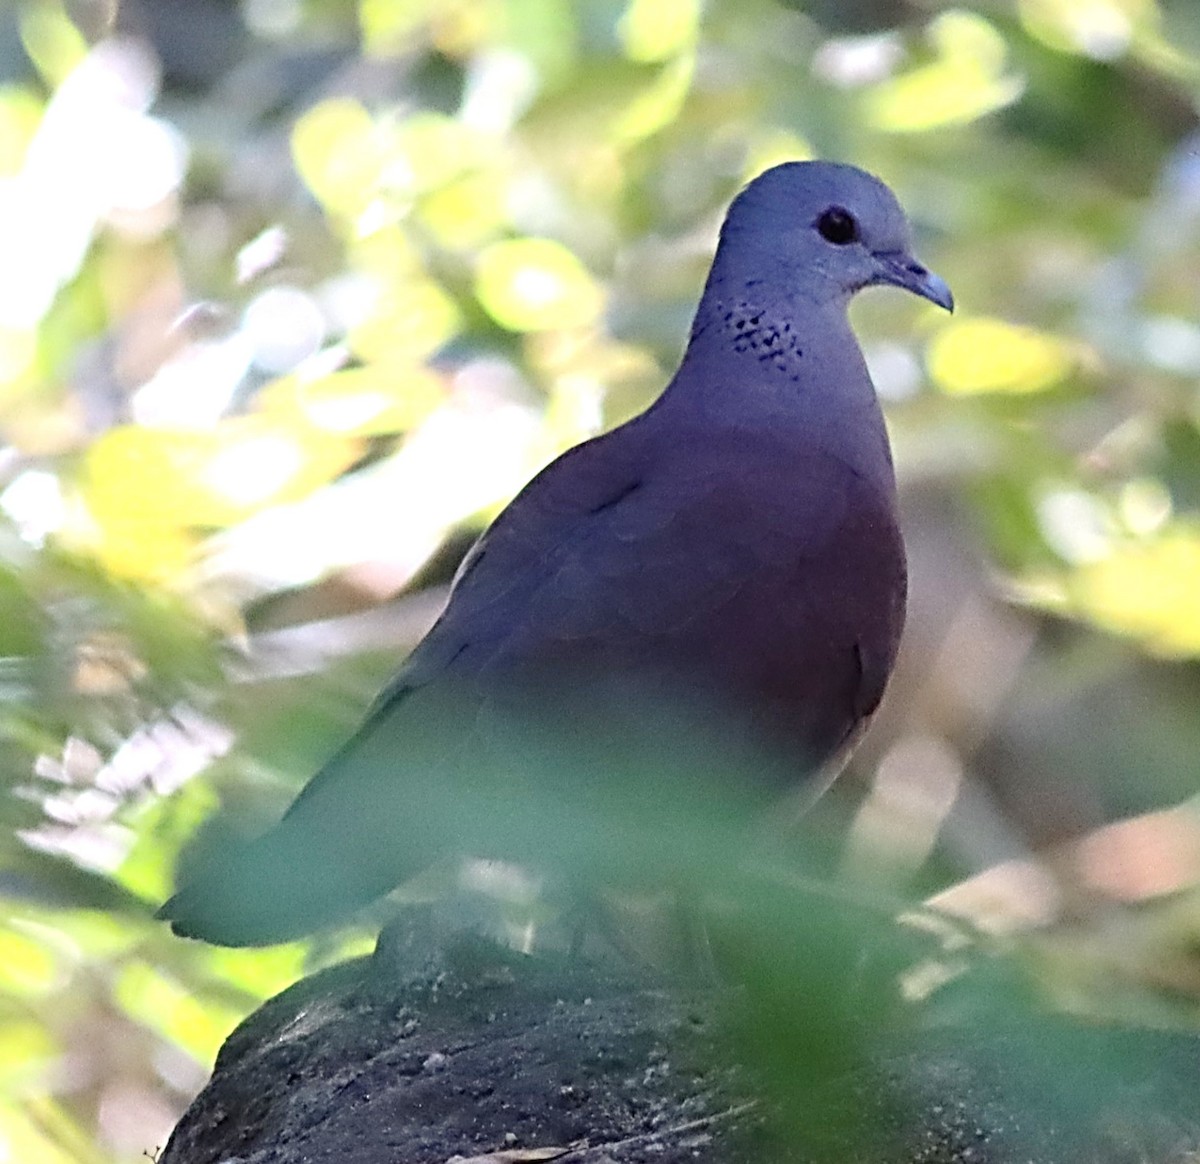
{"x":494,"y":1056}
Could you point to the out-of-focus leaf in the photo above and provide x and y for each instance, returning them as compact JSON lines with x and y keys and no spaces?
{"x":432,"y":150}
{"x":162,"y":829}
{"x":989,"y":355}
{"x":654,"y":30}
{"x":23,"y":624}
{"x":545,"y":32}
{"x":20,"y":112}
{"x":18,"y":351}
{"x":1148,"y":588}
{"x":150,"y":490}
{"x":1181,"y":461}
{"x":467,"y":211}
{"x":362,"y":402}
{"x":389,"y":26}
{"x":657,"y":105}
{"x":27,"y":1135}
{"x":53,"y":43}
{"x":85,"y":935}
{"x":774,"y":148}
{"x":412,"y":318}
{"x":335,"y":148}
{"x":153,"y":997}
{"x":28,"y":968}
{"x":967,"y":80}
{"x":258,"y":973}
{"x":27,"y":1050}
{"x":533,"y":284}
{"x":1099,"y":28}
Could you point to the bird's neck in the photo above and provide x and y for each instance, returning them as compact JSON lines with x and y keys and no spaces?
{"x":790,"y":366}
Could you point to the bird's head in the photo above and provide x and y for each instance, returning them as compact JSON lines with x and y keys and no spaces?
{"x":825,"y":231}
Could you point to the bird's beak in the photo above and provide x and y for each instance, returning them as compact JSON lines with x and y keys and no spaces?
{"x":901,"y":270}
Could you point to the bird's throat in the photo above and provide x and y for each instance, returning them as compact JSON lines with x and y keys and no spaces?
{"x":783,"y":367}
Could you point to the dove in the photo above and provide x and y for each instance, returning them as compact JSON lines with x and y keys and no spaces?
{"x":709,"y":595}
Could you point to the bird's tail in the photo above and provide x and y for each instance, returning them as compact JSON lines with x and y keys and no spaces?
{"x":274,"y":889}
{"x":342,"y":844}
{"x":370,"y":819}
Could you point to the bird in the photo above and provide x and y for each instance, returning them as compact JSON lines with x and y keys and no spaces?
{"x":719,"y":583}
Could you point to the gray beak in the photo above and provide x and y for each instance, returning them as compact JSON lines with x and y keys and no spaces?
{"x":900,"y":269}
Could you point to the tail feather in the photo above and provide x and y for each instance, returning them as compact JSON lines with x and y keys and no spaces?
{"x":269,"y":892}
{"x":350,"y":837}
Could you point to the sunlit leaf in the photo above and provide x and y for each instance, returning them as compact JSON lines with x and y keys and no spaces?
{"x":28,"y":968}
{"x":988,"y":355}
{"x":89,"y":935}
{"x":1100,"y":28}
{"x":386,"y":256}
{"x":149,"y":489}
{"x":1148,"y":588}
{"x":436,"y":149}
{"x":162,"y":828}
{"x":967,"y":80}
{"x":545,"y":33}
{"x":53,"y":43}
{"x":468,"y":211}
{"x":152,"y":997}
{"x":461,"y":27}
{"x":334,"y":151}
{"x":142,"y":548}
{"x":20,"y":113}
{"x":592,"y":381}
{"x":389,"y":26}
{"x":26,"y":1052}
{"x":654,"y":30}
{"x":531,"y":284}
{"x":367,"y":401}
{"x":658,"y":104}
{"x":411,"y":320}
{"x":18,"y":350}
{"x":24,"y":1135}
{"x":258,"y":973}
{"x":1145,"y":505}
{"x":775,"y":147}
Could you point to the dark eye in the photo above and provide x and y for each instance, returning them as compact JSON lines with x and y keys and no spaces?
{"x":838,"y":226}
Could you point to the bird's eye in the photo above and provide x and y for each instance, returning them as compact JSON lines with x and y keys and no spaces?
{"x":838,"y":226}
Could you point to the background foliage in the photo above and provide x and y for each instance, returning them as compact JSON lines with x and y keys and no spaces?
{"x":294,"y":294}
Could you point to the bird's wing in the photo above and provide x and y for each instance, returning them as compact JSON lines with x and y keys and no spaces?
{"x":521,"y":553}
{"x":626,"y":541}
{"x":754,"y":559}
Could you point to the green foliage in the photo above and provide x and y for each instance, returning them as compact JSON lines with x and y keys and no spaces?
{"x":285,"y":311}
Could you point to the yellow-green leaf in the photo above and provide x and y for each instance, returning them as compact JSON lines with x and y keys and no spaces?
{"x":533,"y":284}
{"x":988,"y":355}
